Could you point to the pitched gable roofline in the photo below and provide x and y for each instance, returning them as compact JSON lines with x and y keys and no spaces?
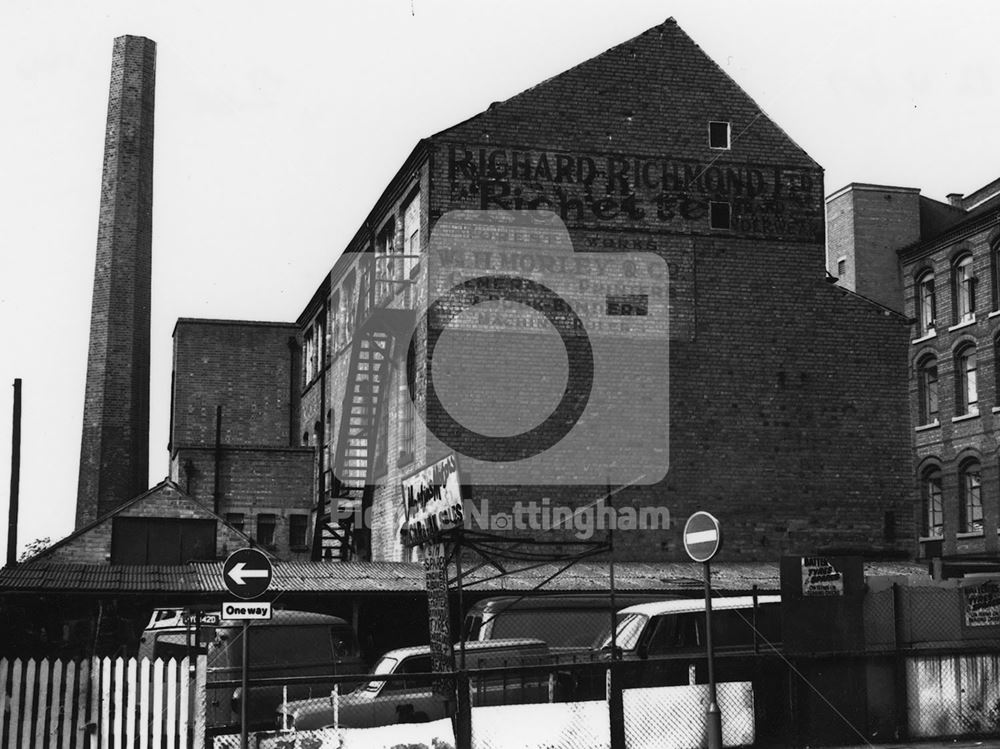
{"x":165,"y":484}
{"x":665,"y":35}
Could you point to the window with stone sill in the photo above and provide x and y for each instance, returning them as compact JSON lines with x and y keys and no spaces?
{"x":265,"y":530}
{"x":963,"y":289}
{"x":927,"y":390}
{"x":932,"y":525}
{"x":926,"y":303}
{"x":966,"y":386}
{"x":970,"y":500}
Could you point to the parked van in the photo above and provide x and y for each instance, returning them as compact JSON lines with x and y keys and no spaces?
{"x":291,"y":643}
{"x":192,"y":627}
{"x":412,"y":699}
{"x":563,"y":621}
{"x":668,"y":627}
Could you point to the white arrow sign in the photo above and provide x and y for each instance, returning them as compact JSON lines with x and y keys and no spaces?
{"x":247,"y":573}
{"x":239,"y":573}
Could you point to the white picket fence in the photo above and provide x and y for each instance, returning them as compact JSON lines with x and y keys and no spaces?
{"x":102,"y":703}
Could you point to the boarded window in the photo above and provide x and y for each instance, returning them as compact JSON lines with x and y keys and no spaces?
{"x":161,"y":540}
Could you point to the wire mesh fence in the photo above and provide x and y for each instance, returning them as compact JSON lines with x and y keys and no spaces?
{"x":580,"y":673}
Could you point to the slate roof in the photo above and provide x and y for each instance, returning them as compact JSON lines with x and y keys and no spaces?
{"x":205,"y":578}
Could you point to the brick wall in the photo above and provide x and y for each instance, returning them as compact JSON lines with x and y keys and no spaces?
{"x":866,"y":224}
{"x":246,"y":367}
{"x":956,"y":437}
{"x":93,"y":546}
{"x":114,"y":453}
{"x":787,"y":405}
{"x":252,"y":482}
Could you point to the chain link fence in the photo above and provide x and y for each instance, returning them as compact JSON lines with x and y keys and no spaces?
{"x":554,"y":673}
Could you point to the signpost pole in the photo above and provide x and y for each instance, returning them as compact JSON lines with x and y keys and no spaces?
{"x":244,"y":686}
{"x":713,"y":717}
{"x":702,"y":539}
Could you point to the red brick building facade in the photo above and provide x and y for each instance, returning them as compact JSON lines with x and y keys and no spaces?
{"x":944,"y":256}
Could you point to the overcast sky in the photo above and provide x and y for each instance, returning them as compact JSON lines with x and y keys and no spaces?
{"x":278,"y":125}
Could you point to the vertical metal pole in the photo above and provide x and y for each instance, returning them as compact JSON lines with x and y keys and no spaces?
{"x":463,"y":692}
{"x":611,"y":581}
{"x":713,"y":718}
{"x":899,"y":664}
{"x":217,"y":482}
{"x":15,"y":477}
{"x":615,"y":697}
{"x":244,"y":686}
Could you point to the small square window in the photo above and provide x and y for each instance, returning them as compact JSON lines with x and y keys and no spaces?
{"x":720,"y":215}
{"x":718,"y":135}
{"x":236,"y":520}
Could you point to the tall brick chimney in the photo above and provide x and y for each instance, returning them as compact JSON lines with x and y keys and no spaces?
{"x":114,"y":457}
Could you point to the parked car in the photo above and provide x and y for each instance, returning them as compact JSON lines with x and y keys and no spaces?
{"x":410,"y":697}
{"x":291,"y":643}
{"x":670,"y":627}
{"x":566,"y":622}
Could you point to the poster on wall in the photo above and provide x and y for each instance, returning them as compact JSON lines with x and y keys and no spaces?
{"x":982,"y":605}
{"x":432,"y":502}
{"x":820,"y":578}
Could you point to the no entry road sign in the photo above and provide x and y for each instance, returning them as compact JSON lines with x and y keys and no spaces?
{"x":247,"y":573}
{"x":702,"y":536}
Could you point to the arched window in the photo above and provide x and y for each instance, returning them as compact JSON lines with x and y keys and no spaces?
{"x":926,"y":302}
{"x":966,"y":390}
{"x":970,"y":498}
{"x":927,"y":389}
{"x":963,"y":289}
{"x":933,"y":506}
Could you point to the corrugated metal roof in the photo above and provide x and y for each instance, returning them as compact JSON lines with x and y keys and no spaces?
{"x":398,"y":577}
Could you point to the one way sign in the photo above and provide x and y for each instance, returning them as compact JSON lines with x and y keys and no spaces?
{"x":247,"y":573}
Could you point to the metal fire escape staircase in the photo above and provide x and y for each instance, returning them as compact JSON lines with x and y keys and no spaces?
{"x":340,"y":534}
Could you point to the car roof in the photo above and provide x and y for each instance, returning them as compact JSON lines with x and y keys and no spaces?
{"x":471,"y":647}
{"x":567,"y":601}
{"x":683,"y":606}
{"x":279,"y":618}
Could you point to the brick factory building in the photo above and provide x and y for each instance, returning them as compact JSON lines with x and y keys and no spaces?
{"x":786,"y":396}
{"x":782,"y":419}
{"x":938,"y":264}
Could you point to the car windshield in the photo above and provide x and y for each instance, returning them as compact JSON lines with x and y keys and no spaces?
{"x":384,"y":666}
{"x":630,"y":626}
